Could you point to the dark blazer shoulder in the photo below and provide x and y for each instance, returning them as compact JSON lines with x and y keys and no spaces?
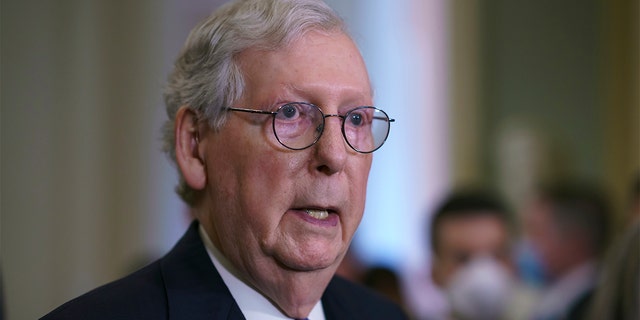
{"x":183,"y":284}
{"x":344,"y":299}
{"x":140,"y":295}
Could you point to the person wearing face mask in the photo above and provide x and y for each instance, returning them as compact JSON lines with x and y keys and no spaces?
{"x":471,"y":255}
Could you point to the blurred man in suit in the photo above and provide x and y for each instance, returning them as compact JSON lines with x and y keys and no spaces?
{"x":567,"y":225}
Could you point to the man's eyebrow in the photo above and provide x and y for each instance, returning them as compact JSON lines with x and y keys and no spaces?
{"x":282,"y":95}
{"x":287,"y":93}
{"x":291,"y":89}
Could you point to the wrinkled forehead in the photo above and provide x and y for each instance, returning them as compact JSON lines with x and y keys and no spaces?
{"x":302,"y":44}
{"x":308,"y":65}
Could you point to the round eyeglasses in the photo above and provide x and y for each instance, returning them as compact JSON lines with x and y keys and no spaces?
{"x":299,"y":125}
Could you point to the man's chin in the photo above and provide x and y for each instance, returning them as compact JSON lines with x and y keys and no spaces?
{"x":310,"y":264}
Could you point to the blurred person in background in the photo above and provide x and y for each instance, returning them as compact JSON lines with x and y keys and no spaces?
{"x":567,"y":225}
{"x":272,"y":128}
{"x":634,"y":201}
{"x":471,"y":237}
{"x":385,"y":281}
{"x":351,"y":267}
{"x":617,"y":295}
{"x":380,"y":278}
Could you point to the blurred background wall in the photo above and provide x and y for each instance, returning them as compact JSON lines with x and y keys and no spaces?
{"x":495,"y":93}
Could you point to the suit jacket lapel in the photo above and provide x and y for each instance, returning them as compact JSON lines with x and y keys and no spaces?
{"x":194,"y":287}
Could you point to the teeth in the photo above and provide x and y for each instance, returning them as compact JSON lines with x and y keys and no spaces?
{"x":318,"y":214}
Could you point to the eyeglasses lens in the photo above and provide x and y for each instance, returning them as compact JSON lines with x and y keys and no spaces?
{"x":300,"y":125}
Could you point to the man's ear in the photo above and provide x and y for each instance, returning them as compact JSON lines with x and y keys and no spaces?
{"x":191,"y":164}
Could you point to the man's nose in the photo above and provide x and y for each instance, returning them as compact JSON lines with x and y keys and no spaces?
{"x":331,"y":150}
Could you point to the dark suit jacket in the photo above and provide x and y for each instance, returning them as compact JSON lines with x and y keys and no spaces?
{"x":184,"y":284}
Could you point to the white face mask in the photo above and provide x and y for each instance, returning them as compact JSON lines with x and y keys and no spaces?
{"x":480,"y":290}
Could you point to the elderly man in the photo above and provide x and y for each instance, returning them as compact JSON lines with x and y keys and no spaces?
{"x":272,"y":129}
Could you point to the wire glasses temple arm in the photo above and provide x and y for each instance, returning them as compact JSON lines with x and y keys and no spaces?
{"x":252,"y":111}
{"x":383,"y":118}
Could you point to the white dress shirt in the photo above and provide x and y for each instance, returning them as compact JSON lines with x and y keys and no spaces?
{"x":253,"y":304}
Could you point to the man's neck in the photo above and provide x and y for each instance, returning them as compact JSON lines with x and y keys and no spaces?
{"x":256,"y":303}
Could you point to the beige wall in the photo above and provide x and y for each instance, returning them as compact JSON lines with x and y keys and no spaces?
{"x":464,"y":90}
{"x":543,"y":89}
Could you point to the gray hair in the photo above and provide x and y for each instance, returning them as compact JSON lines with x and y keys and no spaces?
{"x":206,"y":76}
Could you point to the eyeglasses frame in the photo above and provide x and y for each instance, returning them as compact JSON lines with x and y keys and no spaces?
{"x":324,"y":116}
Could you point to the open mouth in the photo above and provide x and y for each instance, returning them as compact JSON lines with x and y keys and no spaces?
{"x":320,"y":216}
{"x":317,"y":214}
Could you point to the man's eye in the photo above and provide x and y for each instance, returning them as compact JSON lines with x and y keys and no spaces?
{"x":289,"y":111}
{"x":355,"y":119}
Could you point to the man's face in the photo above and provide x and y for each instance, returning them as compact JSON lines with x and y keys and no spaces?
{"x":258,"y":192}
{"x":462,"y":239}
